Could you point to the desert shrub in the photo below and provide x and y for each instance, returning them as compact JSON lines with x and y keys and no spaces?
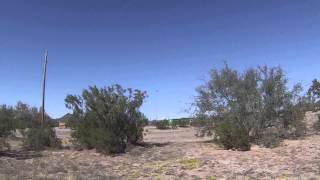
{"x":37,"y":135}
{"x":232,"y":135}
{"x":294,"y":127}
{"x":6,"y":120}
{"x":183,"y":122}
{"x":25,"y":115}
{"x":201,"y":121}
{"x":270,"y":137}
{"x":163,"y":124}
{"x":174,"y":124}
{"x":107,"y":119}
{"x":6,"y":124}
{"x":40,"y":136}
{"x":258,"y":99}
{"x":69,"y":120}
{"x":24,"y":118}
{"x":314,"y":94}
{"x":203,"y":125}
{"x":135,"y":127}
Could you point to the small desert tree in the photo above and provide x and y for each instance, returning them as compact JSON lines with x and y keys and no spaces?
{"x":242,"y":107}
{"x":107,"y":118}
{"x":230,"y":101}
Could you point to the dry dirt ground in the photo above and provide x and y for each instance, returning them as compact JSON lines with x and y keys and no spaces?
{"x":168,"y":154}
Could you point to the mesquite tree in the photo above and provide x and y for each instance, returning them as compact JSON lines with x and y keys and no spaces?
{"x":243,"y":107}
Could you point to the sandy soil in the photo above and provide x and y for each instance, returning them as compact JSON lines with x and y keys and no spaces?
{"x":169,"y":154}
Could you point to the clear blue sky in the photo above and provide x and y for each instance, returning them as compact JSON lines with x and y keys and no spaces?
{"x":165,"y":47}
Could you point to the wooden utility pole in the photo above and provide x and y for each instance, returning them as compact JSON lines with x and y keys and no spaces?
{"x":44,"y":85}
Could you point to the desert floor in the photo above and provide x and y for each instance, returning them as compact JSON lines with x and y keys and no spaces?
{"x":167,"y":154}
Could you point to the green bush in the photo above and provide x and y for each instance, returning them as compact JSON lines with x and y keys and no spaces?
{"x":163,"y":124}
{"x":232,"y":135}
{"x":183,"y":122}
{"x":25,"y":115}
{"x":203,"y":125}
{"x":6,"y":120}
{"x":270,"y":137}
{"x":107,"y":119}
{"x":24,"y":118}
{"x":314,"y":94}
{"x":40,"y":137}
{"x":258,"y":100}
{"x":174,"y":124}
{"x":6,"y":125}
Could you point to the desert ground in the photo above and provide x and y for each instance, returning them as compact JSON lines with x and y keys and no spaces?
{"x":167,"y":154}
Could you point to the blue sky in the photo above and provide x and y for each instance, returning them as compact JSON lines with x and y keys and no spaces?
{"x":164,"y":47}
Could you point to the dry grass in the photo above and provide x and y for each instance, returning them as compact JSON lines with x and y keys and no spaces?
{"x":169,"y":154}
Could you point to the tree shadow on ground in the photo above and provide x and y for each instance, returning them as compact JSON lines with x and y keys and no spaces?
{"x":152,"y":144}
{"x":142,"y":147}
{"x":208,"y":141}
{"x":20,"y":155}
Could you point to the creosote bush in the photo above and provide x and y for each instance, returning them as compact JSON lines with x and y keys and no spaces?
{"x":232,"y":135}
{"x":107,"y":119}
{"x":182,"y":122}
{"x":24,"y":118}
{"x":174,"y":124}
{"x":163,"y":124}
{"x":41,"y":136}
{"x":251,"y":107}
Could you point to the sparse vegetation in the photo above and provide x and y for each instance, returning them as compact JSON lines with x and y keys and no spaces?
{"x":190,"y":163}
{"x":108,"y":118}
{"x":41,"y":136}
{"x":182,"y":122}
{"x":314,"y":94}
{"x":173,"y":123}
{"x":6,"y":116}
{"x":26,"y":120}
{"x":163,"y":124}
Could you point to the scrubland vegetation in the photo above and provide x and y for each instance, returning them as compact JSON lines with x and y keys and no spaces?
{"x":173,"y":123}
{"x":107,"y":119}
{"x":255,"y":106}
{"x":237,"y":108}
{"x":163,"y":124}
{"x":26,"y":121}
{"x":234,"y":109}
